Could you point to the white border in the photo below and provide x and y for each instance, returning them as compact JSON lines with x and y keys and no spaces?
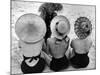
{"x":5,"y":36}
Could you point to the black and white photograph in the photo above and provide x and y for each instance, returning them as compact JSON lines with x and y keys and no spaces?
{"x":52,"y":37}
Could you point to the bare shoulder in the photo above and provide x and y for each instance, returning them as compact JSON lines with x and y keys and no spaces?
{"x":50,"y":40}
{"x":88,"y":42}
{"x":74,"y":41}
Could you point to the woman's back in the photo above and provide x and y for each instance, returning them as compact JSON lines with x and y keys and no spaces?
{"x":57,"y":48}
{"x":30,"y":50}
{"x":81,"y":46}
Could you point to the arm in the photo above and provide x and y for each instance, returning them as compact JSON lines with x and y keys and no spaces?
{"x":90,"y":44}
{"x":46,"y":53}
{"x":46,"y":47}
{"x":18,"y":54}
{"x":47,"y":58}
{"x":71,"y":44}
{"x":67,"y":42}
{"x":71,"y":53}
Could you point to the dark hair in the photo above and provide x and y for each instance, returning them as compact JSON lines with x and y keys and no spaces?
{"x":48,"y":13}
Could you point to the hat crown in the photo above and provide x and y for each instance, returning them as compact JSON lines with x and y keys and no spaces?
{"x":62,"y":27}
{"x":31,"y":29}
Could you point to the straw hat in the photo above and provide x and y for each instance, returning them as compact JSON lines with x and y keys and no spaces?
{"x":60,"y":26}
{"x":83,"y":27}
{"x":30,"y":28}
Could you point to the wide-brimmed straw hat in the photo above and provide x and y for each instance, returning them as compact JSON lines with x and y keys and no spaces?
{"x":30,"y":28}
{"x":83,"y":27}
{"x":60,"y":26}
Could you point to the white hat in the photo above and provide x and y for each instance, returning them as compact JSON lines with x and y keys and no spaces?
{"x":30,"y":28}
{"x":60,"y":26}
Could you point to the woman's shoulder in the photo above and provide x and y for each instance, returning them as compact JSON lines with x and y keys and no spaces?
{"x":81,"y":46}
{"x":50,"y":40}
{"x":74,"y":40}
{"x":76,"y":43}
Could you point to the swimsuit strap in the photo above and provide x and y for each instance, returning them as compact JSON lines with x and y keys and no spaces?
{"x":65,"y":39}
{"x":33,"y":57}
